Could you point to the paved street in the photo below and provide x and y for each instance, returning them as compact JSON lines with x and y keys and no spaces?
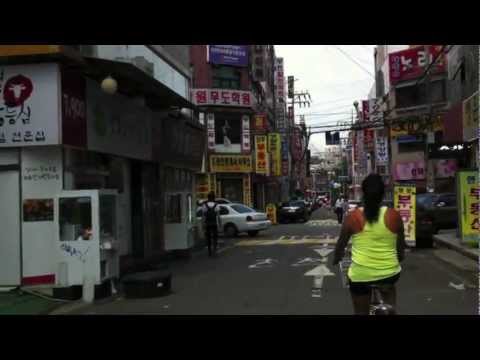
{"x":265,"y":276}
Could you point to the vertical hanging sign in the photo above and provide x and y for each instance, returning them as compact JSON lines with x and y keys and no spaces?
{"x":246,"y":146}
{"x":211,"y":131}
{"x":261,"y":161}
{"x":405,"y":204}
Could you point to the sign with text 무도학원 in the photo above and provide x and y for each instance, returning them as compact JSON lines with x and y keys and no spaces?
{"x":405,"y":203}
{"x":230,"y":163}
{"x":468,"y":204}
{"x":222,"y":97}
{"x":261,"y":155}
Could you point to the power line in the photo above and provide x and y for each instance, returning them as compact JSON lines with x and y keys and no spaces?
{"x":353,"y":60}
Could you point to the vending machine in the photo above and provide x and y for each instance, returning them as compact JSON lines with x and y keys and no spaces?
{"x":87,"y":237}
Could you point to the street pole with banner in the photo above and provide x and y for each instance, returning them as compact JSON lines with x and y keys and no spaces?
{"x":404,"y":197}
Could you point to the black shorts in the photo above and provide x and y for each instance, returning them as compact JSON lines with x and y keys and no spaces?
{"x":363,"y":288}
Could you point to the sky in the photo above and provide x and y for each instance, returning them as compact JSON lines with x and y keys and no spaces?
{"x":333,"y":80}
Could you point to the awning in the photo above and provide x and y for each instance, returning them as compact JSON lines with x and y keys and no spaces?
{"x":135,"y":82}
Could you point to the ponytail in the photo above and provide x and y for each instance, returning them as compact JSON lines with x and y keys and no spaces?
{"x":373,"y":191}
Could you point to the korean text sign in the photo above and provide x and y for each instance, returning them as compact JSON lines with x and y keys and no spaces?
{"x":405,"y":204}
{"x":230,"y":163}
{"x":409,"y":170}
{"x":234,"y":55}
{"x":29,"y":105}
{"x":468,"y":204}
{"x":222,"y":97}
{"x":274,"y":145}
{"x":410,"y":64}
{"x":261,"y":155}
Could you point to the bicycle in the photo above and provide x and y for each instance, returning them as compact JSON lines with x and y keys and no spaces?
{"x":377,"y":304}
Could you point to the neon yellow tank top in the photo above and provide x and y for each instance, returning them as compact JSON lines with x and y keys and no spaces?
{"x":374,"y":252}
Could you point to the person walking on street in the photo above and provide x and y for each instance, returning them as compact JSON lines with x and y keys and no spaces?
{"x":339,"y":209}
{"x":210,"y":211}
{"x":378,"y":246}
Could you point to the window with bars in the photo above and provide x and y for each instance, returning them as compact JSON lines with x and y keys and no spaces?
{"x":226,"y":77}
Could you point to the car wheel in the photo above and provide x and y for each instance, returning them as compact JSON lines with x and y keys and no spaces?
{"x":253,"y":233}
{"x":230,"y":230}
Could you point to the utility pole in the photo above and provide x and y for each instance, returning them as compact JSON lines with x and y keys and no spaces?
{"x":430,"y":181}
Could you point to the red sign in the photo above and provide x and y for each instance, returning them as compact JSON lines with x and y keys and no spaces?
{"x":369,"y":139}
{"x":365,"y":110}
{"x":411,"y":63}
{"x":221,"y":97}
{"x":260,"y":122}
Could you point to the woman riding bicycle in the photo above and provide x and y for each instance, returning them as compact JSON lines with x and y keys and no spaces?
{"x":378,"y":246}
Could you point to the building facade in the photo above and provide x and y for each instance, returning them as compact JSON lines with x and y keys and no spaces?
{"x":86,"y":179}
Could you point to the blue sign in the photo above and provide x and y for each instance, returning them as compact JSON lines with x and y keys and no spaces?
{"x":284,"y":149}
{"x":234,"y":55}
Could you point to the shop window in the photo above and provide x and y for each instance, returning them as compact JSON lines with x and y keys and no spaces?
{"x":226,"y":77}
{"x":75,"y":217}
{"x":174,"y":209}
{"x":108,"y":219}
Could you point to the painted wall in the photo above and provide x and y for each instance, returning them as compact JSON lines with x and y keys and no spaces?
{"x":41,"y":172}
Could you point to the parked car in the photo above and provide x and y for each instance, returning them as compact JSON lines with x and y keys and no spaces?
{"x":219,"y":201}
{"x":293,"y":211}
{"x":434,"y":212}
{"x":238,"y":218}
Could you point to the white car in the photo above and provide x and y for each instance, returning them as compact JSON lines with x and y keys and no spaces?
{"x":238,"y":218}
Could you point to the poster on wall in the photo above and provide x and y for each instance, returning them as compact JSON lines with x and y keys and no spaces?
{"x":228,"y":129}
{"x":29,"y":105}
{"x":261,"y":155}
{"x":274,"y":148}
{"x":35,"y":210}
{"x":233,"y":55}
{"x":445,"y":168}
{"x":246,"y":146}
{"x":409,"y":170}
{"x":405,"y":204}
{"x":247,"y":190}
{"x":468,"y":196}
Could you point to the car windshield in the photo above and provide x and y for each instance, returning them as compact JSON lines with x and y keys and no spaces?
{"x":242,"y":209}
{"x":297,"y":204}
{"x":425,"y":200}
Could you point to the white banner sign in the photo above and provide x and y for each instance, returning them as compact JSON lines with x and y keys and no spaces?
{"x":29,"y":105}
{"x":246,"y":146}
{"x":222,"y":97}
{"x":211,"y":131}
{"x":375,"y":110}
{"x":381,"y":148}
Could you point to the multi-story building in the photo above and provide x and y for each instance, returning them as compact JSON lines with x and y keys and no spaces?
{"x":233,"y":88}
{"x":84,"y":134}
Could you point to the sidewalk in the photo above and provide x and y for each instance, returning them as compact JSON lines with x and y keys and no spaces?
{"x":448,"y":238}
{"x":19,"y":303}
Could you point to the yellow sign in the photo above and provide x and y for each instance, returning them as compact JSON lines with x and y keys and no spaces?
{"x":20,"y":50}
{"x":272,"y":213}
{"x":416,"y":125}
{"x":468,"y":196}
{"x":470,"y":117}
{"x":203,"y":187}
{"x":247,"y":190}
{"x":275,"y":148}
{"x":261,"y":155}
{"x":405,"y":204}
{"x":230,"y":163}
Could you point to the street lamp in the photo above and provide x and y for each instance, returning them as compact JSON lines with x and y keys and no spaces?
{"x":109,"y":85}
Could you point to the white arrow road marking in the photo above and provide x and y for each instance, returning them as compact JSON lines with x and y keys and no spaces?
{"x":307,"y":261}
{"x":324,"y":252}
{"x":320,"y":270}
{"x":263,"y":263}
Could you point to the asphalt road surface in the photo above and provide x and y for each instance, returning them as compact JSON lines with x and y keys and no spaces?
{"x":265,"y":275}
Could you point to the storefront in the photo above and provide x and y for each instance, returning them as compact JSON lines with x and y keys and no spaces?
{"x":80,"y":188}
